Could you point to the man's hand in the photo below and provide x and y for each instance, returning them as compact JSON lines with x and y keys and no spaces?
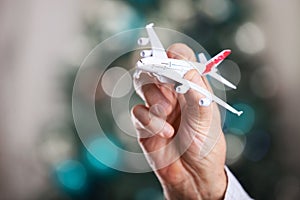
{"x":182,"y":141}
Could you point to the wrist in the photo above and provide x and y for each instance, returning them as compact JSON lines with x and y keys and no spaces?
{"x":214,"y":186}
{"x":211,"y":186}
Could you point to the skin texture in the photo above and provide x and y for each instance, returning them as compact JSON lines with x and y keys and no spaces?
{"x":198,"y":171}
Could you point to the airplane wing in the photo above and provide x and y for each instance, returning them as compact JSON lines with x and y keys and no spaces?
{"x":214,"y":98}
{"x":158,"y":50}
{"x":221,"y":79}
{"x":177,"y":78}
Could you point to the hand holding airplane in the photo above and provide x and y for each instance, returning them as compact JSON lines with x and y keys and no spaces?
{"x":177,"y":135}
{"x":168,"y":70}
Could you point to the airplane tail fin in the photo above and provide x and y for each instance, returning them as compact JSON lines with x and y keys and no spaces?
{"x":212,"y":64}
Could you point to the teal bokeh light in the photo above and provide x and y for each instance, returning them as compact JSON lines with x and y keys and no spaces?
{"x":100,"y":149}
{"x":240,"y":124}
{"x":71,"y":174}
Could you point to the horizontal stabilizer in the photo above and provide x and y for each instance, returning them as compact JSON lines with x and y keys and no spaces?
{"x":221,"y":79}
{"x":239,"y":113}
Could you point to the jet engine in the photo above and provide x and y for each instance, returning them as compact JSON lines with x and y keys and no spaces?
{"x":146,"y":53}
{"x":204,"y":102}
{"x":143,"y":41}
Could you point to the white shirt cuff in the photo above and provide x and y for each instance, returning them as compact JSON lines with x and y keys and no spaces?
{"x":234,"y":189}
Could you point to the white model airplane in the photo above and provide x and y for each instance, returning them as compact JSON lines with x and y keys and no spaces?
{"x":167,"y":70}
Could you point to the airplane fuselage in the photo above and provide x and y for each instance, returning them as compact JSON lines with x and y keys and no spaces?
{"x":180,"y":66}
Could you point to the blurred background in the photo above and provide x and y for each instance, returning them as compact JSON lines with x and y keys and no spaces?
{"x":42,"y":44}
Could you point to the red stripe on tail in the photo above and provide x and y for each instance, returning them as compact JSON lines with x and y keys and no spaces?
{"x":215,"y":61}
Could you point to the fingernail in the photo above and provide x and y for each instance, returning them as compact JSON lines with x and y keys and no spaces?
{"x":159,"y":109}
{"x":167,"y":131}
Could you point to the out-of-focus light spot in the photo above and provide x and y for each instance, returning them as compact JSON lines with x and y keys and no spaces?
{"x":258,"y":144}
{"x":249,"y":38}
{"x":171,"y":9}
{"x":101,"y":154}
{"x":149,"y":194}
{"x":230,"y":71}
{"x":288,"y":187}
{"x":217,"y":10}
{"x":235,"y":147}
{"x":56,"y":150}
{"x":116,"y":82}
{"x":264,"y":82}
{"x":112,"y":16}
{"x":56,"y":146}
{"x":240,"y":124}
{"x":71,"y":174}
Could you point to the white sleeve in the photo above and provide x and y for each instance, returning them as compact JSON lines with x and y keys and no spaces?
{"x":234,"y":189}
